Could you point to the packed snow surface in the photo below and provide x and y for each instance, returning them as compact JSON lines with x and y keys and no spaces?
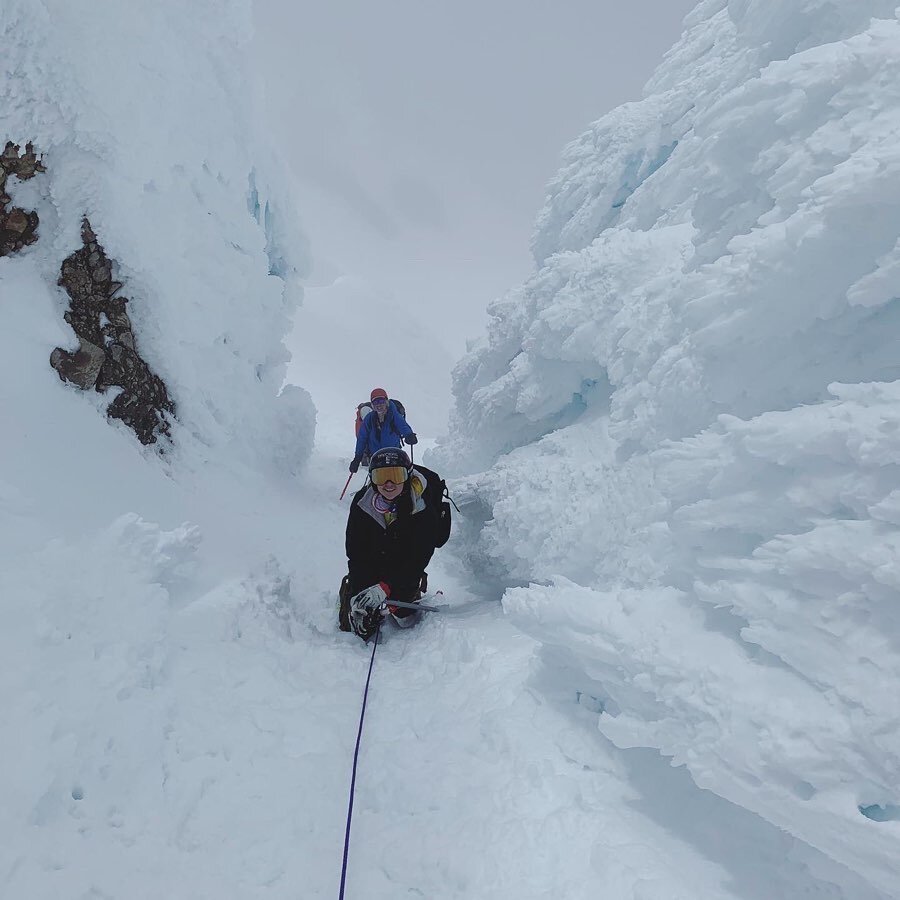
{"x":679,"y":439}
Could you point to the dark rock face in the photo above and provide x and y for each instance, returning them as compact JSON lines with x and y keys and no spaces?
{"x":18,"y":228}
{"x":107,"y":356}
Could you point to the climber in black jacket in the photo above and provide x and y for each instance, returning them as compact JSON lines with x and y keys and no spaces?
{"x":392,"y":532}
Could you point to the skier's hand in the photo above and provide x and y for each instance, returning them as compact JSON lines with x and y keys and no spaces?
{"x":372,"y":597}
{"x":367,"y":609}
{"x":411,"y":438}
{"x":354,"y":465}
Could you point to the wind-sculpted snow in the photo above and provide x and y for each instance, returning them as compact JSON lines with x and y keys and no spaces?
{"x":142,"y":116}
{"x":741,"y":614}
{"x":775,"y":174}
{"x":689,"y":418}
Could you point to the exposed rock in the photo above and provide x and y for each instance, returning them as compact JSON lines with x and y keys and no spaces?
{"x":107,"y":355}
{"x":18,"y":228}
{"x":81,"y":367}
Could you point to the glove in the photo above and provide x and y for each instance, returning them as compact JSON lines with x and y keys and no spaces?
{"x":367,"y":609}
{"x":354,"y":465}
{"x":411,"y":438}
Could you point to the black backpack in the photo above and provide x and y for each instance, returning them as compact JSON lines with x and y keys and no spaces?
{"x":438,"y":497}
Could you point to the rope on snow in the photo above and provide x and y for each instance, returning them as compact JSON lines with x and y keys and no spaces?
{"x":362,"y":716}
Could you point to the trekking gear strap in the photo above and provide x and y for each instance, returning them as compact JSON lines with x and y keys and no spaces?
{"x":355,"y":760}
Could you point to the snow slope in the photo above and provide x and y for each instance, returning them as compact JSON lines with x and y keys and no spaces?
{"x":179,"y":710}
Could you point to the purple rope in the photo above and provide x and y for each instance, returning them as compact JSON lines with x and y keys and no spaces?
{"x":355,"y":760}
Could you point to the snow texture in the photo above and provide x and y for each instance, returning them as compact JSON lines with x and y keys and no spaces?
{"x":133,"y":116}
{"x":683,"y":432}
{"x":689,"y":421}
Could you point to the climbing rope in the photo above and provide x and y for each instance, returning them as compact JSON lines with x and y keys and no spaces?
{"x":362,"y":716}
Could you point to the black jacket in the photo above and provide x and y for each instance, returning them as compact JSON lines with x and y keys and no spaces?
{"x":396,"y":554}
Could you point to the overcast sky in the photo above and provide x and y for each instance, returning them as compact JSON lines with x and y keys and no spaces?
{"x":422,"y":133}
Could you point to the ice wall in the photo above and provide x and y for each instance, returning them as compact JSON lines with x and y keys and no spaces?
{"x":688,"y":420}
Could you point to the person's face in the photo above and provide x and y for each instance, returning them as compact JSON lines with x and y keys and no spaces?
{"x":389,"y":490}
{"x":380,"y":405}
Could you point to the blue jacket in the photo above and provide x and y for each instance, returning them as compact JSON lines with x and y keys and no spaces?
{"x":374,"y":435}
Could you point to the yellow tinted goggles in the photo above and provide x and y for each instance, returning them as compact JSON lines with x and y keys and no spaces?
{"x":396,"y":474}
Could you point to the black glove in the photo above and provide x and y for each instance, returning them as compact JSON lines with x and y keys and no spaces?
{"x":354,"y":465}
{"x":411,"y":438}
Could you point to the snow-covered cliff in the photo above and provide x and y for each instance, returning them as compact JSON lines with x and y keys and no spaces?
{"x":143,"y":120}
{"x":689,"y":420}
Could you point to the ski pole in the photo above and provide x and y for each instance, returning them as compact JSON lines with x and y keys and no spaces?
{"x":344,"y":491}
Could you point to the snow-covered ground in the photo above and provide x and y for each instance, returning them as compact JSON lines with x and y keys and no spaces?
{"x":181,"y":714}
{"x":687,"y":689}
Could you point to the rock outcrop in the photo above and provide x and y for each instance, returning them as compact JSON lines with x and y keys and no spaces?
{"x":107,"y":356}
{"x":18,"y":227}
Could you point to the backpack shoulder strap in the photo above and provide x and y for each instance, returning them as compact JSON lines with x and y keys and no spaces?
{"x":437,"y":486}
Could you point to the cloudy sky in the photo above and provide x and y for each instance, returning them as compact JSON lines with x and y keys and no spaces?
{"x":422,"y":133}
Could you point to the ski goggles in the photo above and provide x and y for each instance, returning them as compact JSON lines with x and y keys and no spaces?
{"x":379,"y":401}
{"x":396,"y":474}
